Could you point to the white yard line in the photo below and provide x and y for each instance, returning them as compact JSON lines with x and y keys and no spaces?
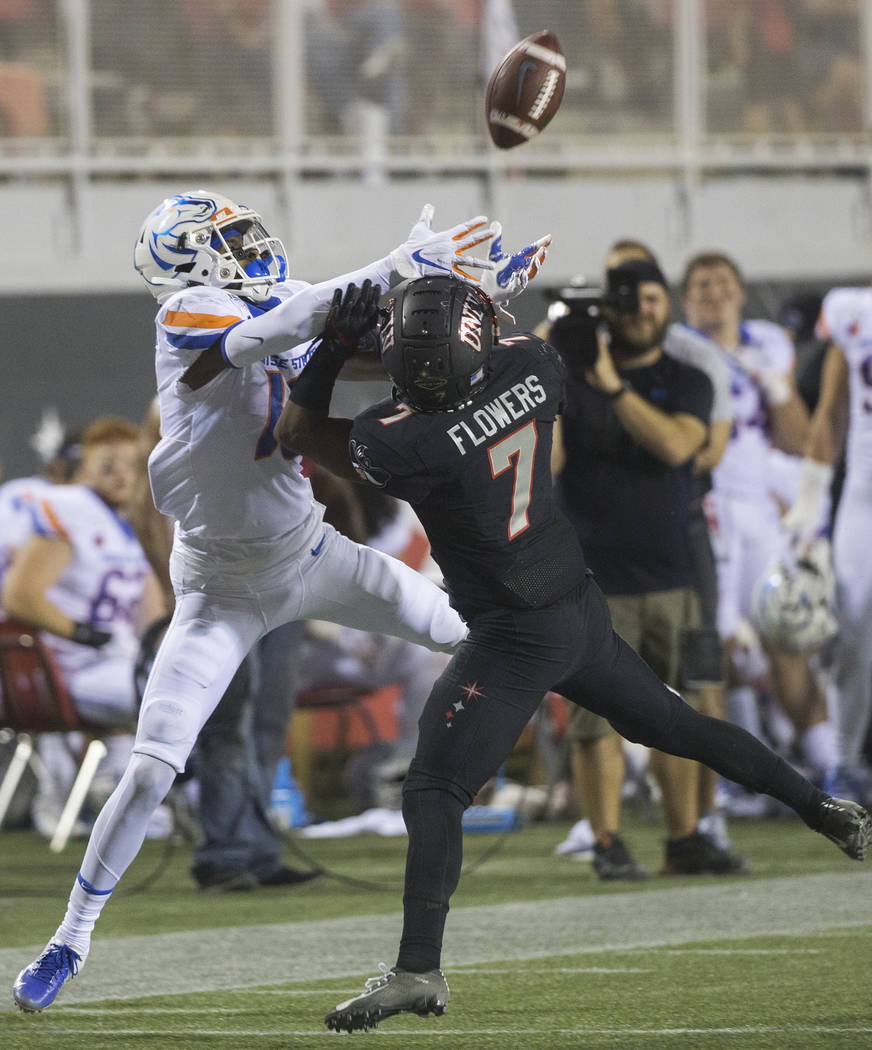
{"x":250,"y":956}
{"x":173,"y":1034}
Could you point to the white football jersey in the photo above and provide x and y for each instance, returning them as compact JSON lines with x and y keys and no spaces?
{"x":217,"y":469}
{"x":17,"y":500}
{"x":744,"y":470}
{"x":104,"y":581}
{"x":846,"y":319}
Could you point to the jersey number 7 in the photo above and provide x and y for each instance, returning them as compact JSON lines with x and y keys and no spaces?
{"x":517,"y":450}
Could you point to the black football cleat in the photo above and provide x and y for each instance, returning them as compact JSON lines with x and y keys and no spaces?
{"x":847,"y":824}
{"x":613,"y":861}
{"x":391,"y":992}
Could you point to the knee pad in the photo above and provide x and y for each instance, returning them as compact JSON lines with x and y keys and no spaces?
{"x":167,"y":731}
{"x":417,"y":780}
{"x":150,"y":778}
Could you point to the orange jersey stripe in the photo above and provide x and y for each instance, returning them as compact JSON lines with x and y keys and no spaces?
{"x":182,"y":319}
{"x":53,"y":518}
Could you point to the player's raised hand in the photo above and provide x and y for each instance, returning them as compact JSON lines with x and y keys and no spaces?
{"x":353,"y":314}
{"x":513,"y":270}
{"x":426,"y":253}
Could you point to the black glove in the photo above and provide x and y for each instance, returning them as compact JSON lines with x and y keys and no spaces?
{"x":352,"y":316}
{"x":85,"y":634}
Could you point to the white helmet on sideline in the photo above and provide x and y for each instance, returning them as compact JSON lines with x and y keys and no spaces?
{"x":792,"y":600}
{"x":183,"y":243}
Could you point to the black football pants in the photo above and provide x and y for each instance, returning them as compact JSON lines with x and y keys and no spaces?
{"x":483,"y":700}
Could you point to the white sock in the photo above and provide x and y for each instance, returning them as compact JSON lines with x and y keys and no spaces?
{"x":743,"y":710}
{"x":83,"y":910}
{"x":116,"y":839}
{"x":818,"y":745}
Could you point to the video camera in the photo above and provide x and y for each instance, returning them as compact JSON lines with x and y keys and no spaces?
{"x":586,"y":308}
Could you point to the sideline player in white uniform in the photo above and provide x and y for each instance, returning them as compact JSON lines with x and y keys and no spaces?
{"x":843,"y":419}
{"x":743,"y":512}
{"x":251,"y":550}
{"x":17,"y":498}
{"x":82,"y":578}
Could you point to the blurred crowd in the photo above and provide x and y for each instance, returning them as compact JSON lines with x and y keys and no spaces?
{"x":409,"y":67}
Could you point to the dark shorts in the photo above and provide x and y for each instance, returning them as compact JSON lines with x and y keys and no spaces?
{"x":652,"y":624}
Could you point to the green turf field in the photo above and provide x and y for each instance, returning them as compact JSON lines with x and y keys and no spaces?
{"x":538,"y":953}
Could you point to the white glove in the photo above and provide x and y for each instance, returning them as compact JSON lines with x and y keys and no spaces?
{"x":514,"y":271}
{"x":426,"y":254}
{"x":811,"y":507}
{"x":775,"y":386}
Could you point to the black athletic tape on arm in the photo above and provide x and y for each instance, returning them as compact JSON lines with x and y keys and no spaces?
{"x":314,"y":387}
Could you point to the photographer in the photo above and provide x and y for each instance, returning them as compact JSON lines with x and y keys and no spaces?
{"x":634,"y":421}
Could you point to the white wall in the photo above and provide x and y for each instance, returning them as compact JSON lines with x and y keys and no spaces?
{"x":777,"y":226}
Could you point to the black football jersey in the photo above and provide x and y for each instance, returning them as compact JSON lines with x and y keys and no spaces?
{"x":479,"y":480}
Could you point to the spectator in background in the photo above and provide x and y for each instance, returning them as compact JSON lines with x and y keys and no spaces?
{"x":831,"y":64}
{"x":356,"y":57}
{"x":633,"y":423}
{"x":18,"y":495}
{"x":83,"y":579}
{"x":843,"y":420}
{"x":744,"y":518}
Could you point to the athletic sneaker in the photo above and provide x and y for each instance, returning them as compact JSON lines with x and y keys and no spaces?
{"x":391,"y":992}
{"x":848,"y":825}
{"x":578,"y":844}
{"x":696,"y":854}
{"x":612,"y":860}
{"x":38,"y":984}
{"x":714,"y":826}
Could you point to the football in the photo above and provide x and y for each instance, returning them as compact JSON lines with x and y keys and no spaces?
{"x":525,"y":90}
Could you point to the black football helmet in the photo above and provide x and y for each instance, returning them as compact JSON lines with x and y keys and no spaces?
{"x":436,"y":342}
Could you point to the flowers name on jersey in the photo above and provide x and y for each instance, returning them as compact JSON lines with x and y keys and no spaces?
{"x":472,"y":691}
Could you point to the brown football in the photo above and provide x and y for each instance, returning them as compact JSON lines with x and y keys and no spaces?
{"x":525,"y":90}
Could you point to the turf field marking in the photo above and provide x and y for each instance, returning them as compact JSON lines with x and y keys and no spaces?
{"x":111,"y":1011}
{"x":259,"y":956}
{"x":742,"y":951}
{"x":550,"y":969}
{"x":437,"y":1029}
{"x":291,"y":990}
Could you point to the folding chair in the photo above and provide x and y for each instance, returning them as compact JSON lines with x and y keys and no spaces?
{"x":34,"y":699}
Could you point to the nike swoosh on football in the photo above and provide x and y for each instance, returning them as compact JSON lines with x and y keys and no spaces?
{"x":254,"y":338}
{"x":419,"y":258}
{"x":523,"y":70}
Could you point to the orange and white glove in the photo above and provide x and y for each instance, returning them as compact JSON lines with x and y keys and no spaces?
{"x":427,"y":254}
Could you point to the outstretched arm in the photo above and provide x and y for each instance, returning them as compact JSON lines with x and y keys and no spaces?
{"x":304,"y":427}
{"x":423,"y":253}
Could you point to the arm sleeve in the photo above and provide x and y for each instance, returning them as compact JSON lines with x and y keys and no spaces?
{"x":293,"y":320}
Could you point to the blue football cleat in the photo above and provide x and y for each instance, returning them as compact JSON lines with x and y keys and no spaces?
{"x":38,"y":984}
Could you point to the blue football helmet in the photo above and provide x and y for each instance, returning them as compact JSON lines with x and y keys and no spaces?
{"x":205,"y":238}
